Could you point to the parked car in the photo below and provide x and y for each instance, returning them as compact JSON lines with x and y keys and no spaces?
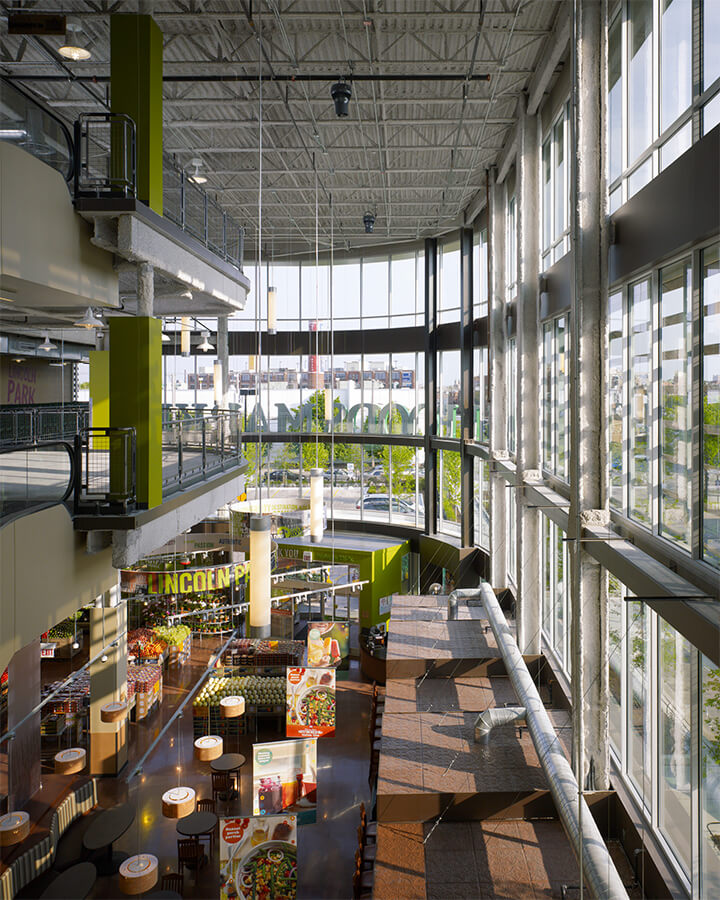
{"x":381,"y":503}
{"x":282,"y":476}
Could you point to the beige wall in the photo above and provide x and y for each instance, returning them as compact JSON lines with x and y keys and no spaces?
{"x":46,"y":258}
{"x":45,"y":575}
{"x":33,"y":381}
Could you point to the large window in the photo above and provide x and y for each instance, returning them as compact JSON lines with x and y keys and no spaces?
{"x":711,"y":405}
{"x":375,"y":288}
{"x":640,"y":400}
{"x":449,"y":394}
{"x":556,"y":592}
{"x":511,"y":262}
{"x":482,"y":502}
{"x":555,"y":191}
{"x":480,"y":272}
{"x":450,"y":500}
{"x":555,"y":397}
{"x":449,"y":294}
{"x":616,"y":397}
{"x":512,"y":395}
{"x":638,"y":701}
{"x":481,"y":406}
{"x":676,"y":401}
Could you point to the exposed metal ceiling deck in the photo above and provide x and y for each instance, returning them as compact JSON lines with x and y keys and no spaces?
{"x":412,"y":152}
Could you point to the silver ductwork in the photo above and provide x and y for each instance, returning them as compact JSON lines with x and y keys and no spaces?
{"x":495,"y":716}
{"x":593,"y":855}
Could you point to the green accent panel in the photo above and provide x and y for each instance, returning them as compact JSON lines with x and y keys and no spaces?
{"x":136,"y":73}
{"x":382,"y":568}
{"x":100,"y":388}
{"x":136,"y":396}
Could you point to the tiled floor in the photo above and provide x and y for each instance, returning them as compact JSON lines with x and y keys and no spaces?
{"x":325,"y":850}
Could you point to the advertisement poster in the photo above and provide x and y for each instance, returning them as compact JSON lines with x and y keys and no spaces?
{"x":285,"y":779}
{"x":258,"y":858}
{"x":329,"y":644}
{"x":310,"y":702}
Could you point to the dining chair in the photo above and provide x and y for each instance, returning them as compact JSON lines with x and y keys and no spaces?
{"x":369,"y":828}
{"x":362,"y":885}
{"x":172,"y":881}
{"x":221,"y":786}
{"x":205,"y":806}
{"x":190,"y":854}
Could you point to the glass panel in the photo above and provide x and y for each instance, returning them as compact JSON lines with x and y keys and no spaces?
{"x":511,"y":251}
{"x":548,"y":579}
{"x":616,"y":630}
{"x":640,"y":80}
{"x":616,"y":397}
{"x":547,"y":194}
{"x":639,"y":178}
{"x":677,"y":145}
{"x":640,"y":400}
{"x":711,"y":114}
{"x":480,"y":273}
{"x":675,"y":666}
{"x":511,"y":394}
{"x":615,"y":87}
{"x":403,"y":294}
{"x":560,"y":596}
{"x":548,"y":394}
{"x":675,"y":59}
{"x":315,"y":293}
{"x":346,"y":296}
{"x":711,"y":405}
{"x":449,"y":393}
{"x":375,"y":294}
{"x":450,"y":499}
{"x":615,"y":200}
{"x":560,"y":198}
{"x":562,"y":437}
{"x":449,"y":299}
{"x":676,"y":401}
{"x":485,"y":504}
{"x":639,"y":759}
{"x":709,"y":780}
{"x":512,"y":541}
{"x":375,"y":502}
{"x":711,"y":42}
{"x":287,"y":281}
{"x":480,"y":396}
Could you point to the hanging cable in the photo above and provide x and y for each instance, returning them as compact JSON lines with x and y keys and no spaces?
{"x":258,"y":271}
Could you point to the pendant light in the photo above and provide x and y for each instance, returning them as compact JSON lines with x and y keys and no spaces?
{"x":316,"y":505}
{"x":74,"y":47}
{"x":138,"y":874}
{"x":113,"y":712}
{"x":328,"y":402}
{"x":217,"y":383}
{"x":71,"y":761}
{"x":14,"y":827}
{"x":260,"y":561}
{"x":195,"y":176}
{"x":208,"y":747}
{"x":232,"y":707}
{"x":88,"y":320}
{"x":272,"y":310}
{"x":166,"y":339}
{"x":47,"y":345}
{"x":178,"y":802}
{"x":206,"y":346}
{"x":185,"y":335}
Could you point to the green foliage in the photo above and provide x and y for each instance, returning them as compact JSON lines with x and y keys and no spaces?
{"x":451,"y":489}
{"x":711,"y":708}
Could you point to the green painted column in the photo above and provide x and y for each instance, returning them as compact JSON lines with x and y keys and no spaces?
{"x":100,"y":388}
{"x":136,"y":397}
{"x":136,"y":82}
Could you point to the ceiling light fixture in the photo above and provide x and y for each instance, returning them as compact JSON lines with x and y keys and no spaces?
{"x":166,"y":339}
{"x":89,"y":320}
{"x":206,"y":346}
{"x":369,"y":222}
{"x":47,"y":345}
{"x":341,"y":92}
{"x":74,"y":48}
{"x":195,"y":175}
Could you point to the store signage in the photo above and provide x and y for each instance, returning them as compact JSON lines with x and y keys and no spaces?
{"x":258,"y":857}
{"x":190,"y":581}
{"x":285,"y":779}
{"x":310,"y":702}
{"x":47,"y":651}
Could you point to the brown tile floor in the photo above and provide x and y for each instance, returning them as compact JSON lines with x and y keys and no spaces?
{"x":325,"y":850}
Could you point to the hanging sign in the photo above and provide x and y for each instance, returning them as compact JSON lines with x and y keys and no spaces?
{"x":47,"y":651}
{"x":285,"y":779}
{"x":328,"y":644}
{"x":188,"y":581}
{"x":258,"y":858}
{"x":310,"y":702}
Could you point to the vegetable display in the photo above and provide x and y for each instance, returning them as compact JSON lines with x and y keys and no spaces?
{"x":256,"y":689}
{"x":174,"y":635}
{"x":143,"y":642}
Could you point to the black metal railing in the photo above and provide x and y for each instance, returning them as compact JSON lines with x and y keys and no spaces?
{"x":30,"y":424}
{"x":105,"y":477}
{"x":197,"y":446}
{"x":36,"y":475}
{"x":25,"y":122}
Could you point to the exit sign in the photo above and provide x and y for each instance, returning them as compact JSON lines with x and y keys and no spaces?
{"x":35,"y":23}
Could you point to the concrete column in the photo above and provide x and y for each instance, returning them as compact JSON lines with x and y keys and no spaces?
{"x":528,"y":369}
{"x":223,"y":360}
{"x":145,"y":289}
{"x":589,"y":639}
{"x":498,"y":392}
{"x":108,"y":682}
{"x":24,"y":749}
{"x":467,"y":527}
{"x":431,"y":481}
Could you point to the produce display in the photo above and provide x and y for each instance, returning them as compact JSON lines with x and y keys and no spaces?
{"x":256,"y":652}
{"x":142,"y":679}
{"x":256,"y":689}
{"x":174,"y":636}
{"x":144,"y":642}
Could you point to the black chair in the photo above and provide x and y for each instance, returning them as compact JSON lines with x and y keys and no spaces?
{"x":172,"y":881}
{"x":190,"y":854}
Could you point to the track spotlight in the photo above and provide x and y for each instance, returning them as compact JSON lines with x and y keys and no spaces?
{"x":369,"y":222}
{"x":341,"y":92}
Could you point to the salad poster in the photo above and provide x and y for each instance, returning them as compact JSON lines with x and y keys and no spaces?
{"x":310,"y":702}
{"x":329,"y":644}
{"x":258,"y":858}
{"x":285,"y":779}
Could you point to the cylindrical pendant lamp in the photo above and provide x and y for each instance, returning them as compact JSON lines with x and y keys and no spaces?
{"x":178,"y":802}
{"x":208,"y":747}
{"x":185,"y":335}
{"x":218,"y":383}
{"x":272,"y":310}
{"x":316,"y":505}
{"x":138,"y":874}
{"x":328,"y":404}
{"x":260,"y":576}
{"x":232,"y":707}
{"x":14,"y":827}
{"x":69,"y":762}
{"x":113,"y":712}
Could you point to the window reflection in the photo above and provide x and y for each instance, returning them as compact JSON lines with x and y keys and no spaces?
{"x":711,"y":405}
{"x":640,"y":400}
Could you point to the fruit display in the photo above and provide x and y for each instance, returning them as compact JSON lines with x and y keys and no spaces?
{"x":256,"y":689}
{"x":256,"y":652}
{"x":174,"y":636}
{"x":144,"y":643}
{"x":142,"y":679}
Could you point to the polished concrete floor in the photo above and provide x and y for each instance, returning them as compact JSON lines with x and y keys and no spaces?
{"x":325,"y":850}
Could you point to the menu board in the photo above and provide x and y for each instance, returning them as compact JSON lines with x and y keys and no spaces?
{"x":258,"y":858}
{"x":310,"y":702}
{"x":329,"y":644}
{"x":285,"y":779}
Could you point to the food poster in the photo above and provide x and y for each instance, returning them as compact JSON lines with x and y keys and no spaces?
{"x":258,"y":858}
{"x":310,"y":702}
{"x":285,"y":779}
{"x":329,"y":644}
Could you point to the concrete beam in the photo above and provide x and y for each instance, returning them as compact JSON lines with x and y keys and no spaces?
{"x":506,"y":159}
{"x":555,"y":49}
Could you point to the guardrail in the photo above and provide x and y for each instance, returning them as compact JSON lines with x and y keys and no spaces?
{"x":194,"y":447}
{"x":30,"y":424}
{"x":105,"y":473}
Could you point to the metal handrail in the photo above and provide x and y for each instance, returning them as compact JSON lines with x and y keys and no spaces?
{"x":213,"y":438}
{"x":29,"y":424}
{"x":111,"y":484}
{"x":120,"y":157}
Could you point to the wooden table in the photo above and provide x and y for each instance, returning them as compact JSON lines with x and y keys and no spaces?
{"x":197,"y":823}
{"x":77,"y":881}
{"x":230,"y":763}
{"x":110,"y":825}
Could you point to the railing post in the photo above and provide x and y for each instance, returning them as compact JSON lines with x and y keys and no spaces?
{"x":180,"y":453}
{"x":221,"y":422}
{"x":204,"y":447}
